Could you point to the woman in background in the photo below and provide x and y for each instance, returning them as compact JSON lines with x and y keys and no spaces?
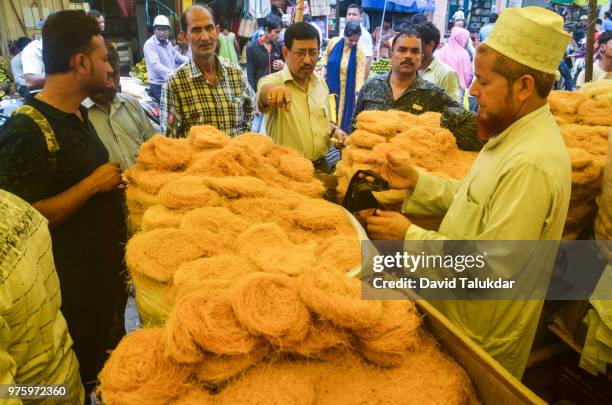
{"x":345,"y":72}
{"x":228,"y":44}
{"x":455,"y":55}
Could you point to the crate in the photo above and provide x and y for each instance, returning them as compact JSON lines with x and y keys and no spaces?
{"x":493,"y":384}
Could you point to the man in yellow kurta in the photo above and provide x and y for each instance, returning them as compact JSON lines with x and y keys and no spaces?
{"x":519,"y":185}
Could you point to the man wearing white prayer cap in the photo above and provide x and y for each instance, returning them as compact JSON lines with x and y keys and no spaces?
{"x":517,"y":189}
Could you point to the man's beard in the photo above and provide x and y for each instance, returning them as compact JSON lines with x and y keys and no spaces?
{"x":93,"y":86}
{"x":495,"y":123}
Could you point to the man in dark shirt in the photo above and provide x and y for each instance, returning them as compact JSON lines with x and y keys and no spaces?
{"x":74,"y":187}
{"x":264,"y":57}
{"x":403,"y":89}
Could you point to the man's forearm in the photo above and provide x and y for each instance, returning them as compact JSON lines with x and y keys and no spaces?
{"x":35,"y":82}
{"x":58,"y":208}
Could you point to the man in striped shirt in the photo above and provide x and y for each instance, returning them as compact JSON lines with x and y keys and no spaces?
{"x":121,"y":124}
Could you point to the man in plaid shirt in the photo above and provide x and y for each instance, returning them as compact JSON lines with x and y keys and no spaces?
{"x":206,"y":90}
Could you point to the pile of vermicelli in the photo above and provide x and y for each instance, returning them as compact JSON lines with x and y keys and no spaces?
{"x":245,"y":286}
{"x":431,"y":147}
{"x":584,"y":117}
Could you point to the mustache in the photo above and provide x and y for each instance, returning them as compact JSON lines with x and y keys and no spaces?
{"x":407,"y":62}
{"x":308,"y":66}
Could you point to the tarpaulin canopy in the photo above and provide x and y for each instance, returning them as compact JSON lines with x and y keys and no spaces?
{"x":579,"y":2}
{"x":586,"y":2}
{"x":410,"y":6}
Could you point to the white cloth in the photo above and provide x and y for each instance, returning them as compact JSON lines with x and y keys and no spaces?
{"x":31,"y":58}
{"x":365,"y":42}
{"x":459,"y":15}
{"x":314,"y":24}
{"x":598,"y":74}
{"x":259,"y":8}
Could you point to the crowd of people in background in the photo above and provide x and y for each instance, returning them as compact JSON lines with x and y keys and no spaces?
{"x":214,"y":81}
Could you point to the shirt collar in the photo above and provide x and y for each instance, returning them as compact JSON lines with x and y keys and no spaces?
{"x":54,"y":112}
{"x":88,"y":103}
{"x":534,"y":116}
{"x":286,"y":75}
{"x":432,"y":66}
{"x":158,"y":42}
{"x":195,"y":70}
{"x":418,"y":82}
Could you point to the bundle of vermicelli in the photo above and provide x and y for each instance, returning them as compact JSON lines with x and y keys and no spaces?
{"x":322,"y":338}
{"x":396,"y":334}
{"x":213,"y":222}
{"x":159,"y":216}
{"x":268,"y":384}
{"x":205,"y":137}
{"x":237,"y":187}
{"x":204,"y":321}
{"x":157,"y":254}
{"x":260,"y":143}
{"x":164,"y":153}
{"x":337,"y":298}
{"x":138,"y":372}
{"x":188,"y":192}
{"x":210,"y":273}
{"x":217,"y":370}
{"x":150,"y":180}
{"x":269,"y":305}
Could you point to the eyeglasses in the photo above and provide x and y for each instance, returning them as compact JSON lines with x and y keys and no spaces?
{"x":301,"y":54}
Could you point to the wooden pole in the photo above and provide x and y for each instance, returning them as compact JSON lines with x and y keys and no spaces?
{"x":21,"y":24}
{"x":381,"y":30}
{"x":590,"y":44}
{"x":299,"y":15}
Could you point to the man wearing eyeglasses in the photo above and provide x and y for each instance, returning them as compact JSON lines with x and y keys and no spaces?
{"x":296,"y":102}
{"x":160,"y":56}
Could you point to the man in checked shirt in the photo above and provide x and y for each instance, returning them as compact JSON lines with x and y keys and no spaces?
{"x":206,"y":90}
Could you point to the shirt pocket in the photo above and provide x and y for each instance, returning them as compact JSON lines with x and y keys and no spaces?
{"x":466,"y":215}
{"x":235,"y":104}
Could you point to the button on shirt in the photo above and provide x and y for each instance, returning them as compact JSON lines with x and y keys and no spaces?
{"x":161,"y":59}
{"x":227,"y":104}
{"x":444,"y":77}
{"x":305,"y":127}
{"x":123,"y":130}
